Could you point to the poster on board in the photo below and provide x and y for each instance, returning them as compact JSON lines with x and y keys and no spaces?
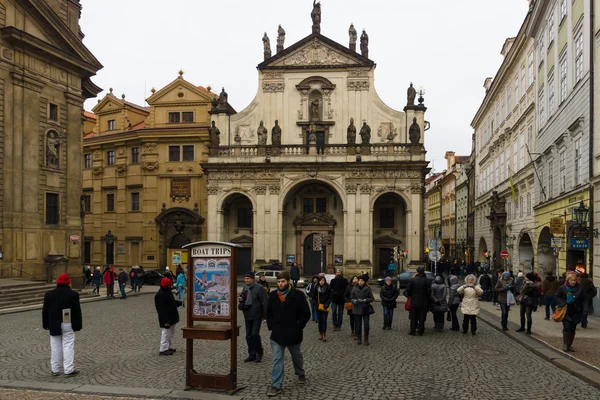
{"x":212,"y":275}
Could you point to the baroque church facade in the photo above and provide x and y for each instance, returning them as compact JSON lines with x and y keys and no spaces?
{"x":317,"y":152}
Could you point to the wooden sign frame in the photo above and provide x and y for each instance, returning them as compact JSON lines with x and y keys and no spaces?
{"x":207,"y":297}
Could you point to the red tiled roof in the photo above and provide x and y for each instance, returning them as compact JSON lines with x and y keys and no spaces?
{"x":90,"y":115}
{"x":88,"y":135}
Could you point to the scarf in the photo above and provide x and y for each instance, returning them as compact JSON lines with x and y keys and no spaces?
{"x":570,"y":295}
{"x":321,"y":289}
{"x":248,"y":290}
{"x":283,"y":294}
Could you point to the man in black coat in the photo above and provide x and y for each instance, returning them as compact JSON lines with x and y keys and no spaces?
{"x":253,"y":302}
{"x":61,"y":315}
{"x":486,"y":284}
{"x":287,"y":316}
{"x":168,"y":316}
{"x":419,"y":292}
{"x":295,"y":274}
{"x":338,"y":286}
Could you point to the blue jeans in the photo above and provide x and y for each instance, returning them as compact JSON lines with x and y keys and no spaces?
{"x":315,"y":317}
{"x":253,"y":337}
{"x":505,"y":310}
{"x":122,"y":286}
{"x":388,"y":314}
{"x":550,"y":302}
{"x":277,"y":352}
{"x":180,"y":291}
{"x":322,"y":321}
{"x":360,"y":320}
{"x":337,"y":314}
{"x":133,"y":282}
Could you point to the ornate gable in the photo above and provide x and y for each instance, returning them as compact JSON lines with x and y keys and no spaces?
{"x":179,"y":91}
{"x":312,"y":219}
{"x":242,"y":240}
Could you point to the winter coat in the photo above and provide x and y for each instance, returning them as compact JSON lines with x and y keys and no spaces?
{"x":529,"y":293}
{"x":123,"y":278}
{"x":265,"y":286}
{"x":323,"y":297}
{"x":574,"y":310}
{"x":357,"y":296}
{"x":258,"y":309}
{"x":57,"y":300}
{"x":181,"y":280}
{"x":109,"y":278}
{"x":502,"y":291}
{"x":286,"y":321}
{"x":97,"y":277}
{"x":439,"y":291}
{"x":419,"y":291}
{"x":550,"y":286}
{"x":338,"y":285}
{"x":295,"y":273}
{"x":348,"y":296}
{"x":166,"y":307}
{"x":470,"y":301}
{"x":453,"y":298}
{"x":589,"y":292}
{"x":388,"y":295}
{"x":485,"y":282}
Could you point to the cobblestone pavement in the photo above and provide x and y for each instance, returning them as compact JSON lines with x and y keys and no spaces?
{"x":10,"y":394}
{"x":586,"y":342}
{"x":119,"y":347}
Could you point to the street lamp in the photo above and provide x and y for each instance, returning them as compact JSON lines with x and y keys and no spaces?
{"x":581,"y":214}
{"x":109,"y":237}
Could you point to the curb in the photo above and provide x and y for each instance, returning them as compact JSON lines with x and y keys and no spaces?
{"x":584,"y":371}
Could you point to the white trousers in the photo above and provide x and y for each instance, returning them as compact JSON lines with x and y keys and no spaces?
{"x":63,"y":350}
{"x":166,"y":338}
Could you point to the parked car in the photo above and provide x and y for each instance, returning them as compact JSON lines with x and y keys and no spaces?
{"x":407,"y":275}
{"x":269,"y":274}
{"x":303,"y":282}
{"x":380,"y":281}
{"x":151,"y":277}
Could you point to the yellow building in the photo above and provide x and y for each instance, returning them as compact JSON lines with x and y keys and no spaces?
{"x":142,"y":177}
{"x":433,"y":205}
{"x":45,"y":72}
{"x":448,"y":207}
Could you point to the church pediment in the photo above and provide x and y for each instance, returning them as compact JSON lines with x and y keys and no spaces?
{"x":387,"y":240}
{"x":316,"y":51}
{"x":312,"y":219}
{"x":244,"y":239}
{"x":180,"y":91}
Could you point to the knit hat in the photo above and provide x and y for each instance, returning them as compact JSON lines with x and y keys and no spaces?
{"x":249,"y":274}
{"x":364,"y":277}
{"x":388,"y":278}
{"x":506,"y":274}
{"x":165,"y":283}
{"x":530,"y":276}
{"x":63,"y":279}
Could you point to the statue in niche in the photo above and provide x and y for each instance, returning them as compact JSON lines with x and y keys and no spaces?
{"x":365,"y":133}
{"x":364,"y":44}
{"x":315,"y":15}
{"x":411,"y":94}
{"x":414,"y":132}
{"x":214,"y":135}
{"x":267,"y":46}
{"x":312,"y":134}
{"x":53,"y":140}
{"x":276,"y":134}
{"x":280,"y":38}
{"x":314,"y":110}
{"x":351,"y":132}
{"x":262,"y":134}
{"x":353,"y":36}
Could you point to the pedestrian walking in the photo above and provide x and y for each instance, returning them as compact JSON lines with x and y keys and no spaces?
{"x":313,"y":304}
{"x":253,"y":302}
{"x":527,"y":301}
{"x":388,"y":295}
{"x":97,"y":281}
{"x":439,"y":304}
{"x":348,"y":304}
{"x":295,"y":274}
{"x":549,"y":287}
{"x":88,"y":274}
{"x":178,"y":271}
{"x":109,"y":280}
{"x":287,"y":316}
{"x":589,"y":292}
{"x":61,"y":316}
{"x":168,"y":316}
{"x":570,"y":295}
{"x":122,"y":278}
{"x":140,"y":277}
{"x":322,"y":299}
{"x":133,"y":277}
{"x":453,"y":302}
{"x":505,"y":289}
{"x":181,"y":282}
{"x":169,"y":274}
{"x":361,"y":298}
{"x":262,"y":281}
{"x":338,"y":287}
{"x":495,"y":278}
{"x":419,"y":293}
{"x":485,"y":282}
{"x":470,"y":303}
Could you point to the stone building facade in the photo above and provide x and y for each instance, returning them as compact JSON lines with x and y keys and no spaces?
{"x":448,"y":184}
{"x":317,"y":152}
{"x":142,"y":178}
{"x":45,"y":73}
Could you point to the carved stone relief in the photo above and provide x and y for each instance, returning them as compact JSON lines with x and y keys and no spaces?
{"x":393,"y":174}
{"x":358,"y":85}
{"x":149,"y":165}
{"x":150,"y":148}
{"x":366,"y":189}
{"x":121,"y":168}
{"x":273,"y":86}
{"x":246,"y":133}
{"x":260,"y":189}
{"x":385,"y":129}
{"x":98,"y":170}
{"x":315,"y":53}
{"x":274,"y":189}
{"x":351,"y":188}
{"x":212,"y":190}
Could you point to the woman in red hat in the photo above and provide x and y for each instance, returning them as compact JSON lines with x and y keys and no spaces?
{"x":109,"y":281}
{"x":168,"y":316}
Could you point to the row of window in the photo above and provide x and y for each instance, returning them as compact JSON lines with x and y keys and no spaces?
{"x":547,"y":189}
{"x":186,"y":117}
{"x":176,"y":153}
{"x":134,"y":203}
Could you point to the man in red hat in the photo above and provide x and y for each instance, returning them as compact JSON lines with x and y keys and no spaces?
{"x":61,"y":315}
{"x":168,"y":316}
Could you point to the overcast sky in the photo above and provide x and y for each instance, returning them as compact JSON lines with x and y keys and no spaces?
{"x":447,"y":47}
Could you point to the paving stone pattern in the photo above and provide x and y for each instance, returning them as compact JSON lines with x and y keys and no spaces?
{"x":119,"y":347}
{"x":11,"y":394}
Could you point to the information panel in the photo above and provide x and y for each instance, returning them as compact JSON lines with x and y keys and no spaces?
{"x":211,"y":281}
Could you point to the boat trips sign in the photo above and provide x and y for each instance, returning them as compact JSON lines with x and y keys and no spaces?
{"x":211,"y":250}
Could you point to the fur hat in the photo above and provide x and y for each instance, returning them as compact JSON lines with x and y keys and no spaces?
{"x":63,"y":279}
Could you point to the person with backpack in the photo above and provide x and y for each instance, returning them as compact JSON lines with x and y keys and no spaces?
{"x":528,"y":300}
{"x":589,"y":292}
{"x":97,"y":280}
{"x":133,"y":277}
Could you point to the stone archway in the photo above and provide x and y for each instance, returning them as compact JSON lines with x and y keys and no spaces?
{"x":545,"y":256}
{"x":389,"y":226}
{"x":177,"y":226}
{"x":525,"y":253}
{"x":481,"y":249}
{"x":237,"y":226}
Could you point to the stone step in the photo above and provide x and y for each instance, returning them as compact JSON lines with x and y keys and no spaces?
{"x":14,"y":284}
{"x":23,"y":301}
{"x":26,"y":291}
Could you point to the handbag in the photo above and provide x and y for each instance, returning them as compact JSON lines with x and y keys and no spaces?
{"x":321,"y":307}
{"x":407,"y":305}
{"x":348,"y":306}
{"x":370,"y":309}
{"x":559,"y":314}
{"x":510,"y":299}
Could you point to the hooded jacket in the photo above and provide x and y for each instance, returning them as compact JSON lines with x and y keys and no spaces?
{"x":470,"y":301}
{"x":550,"y":286}
{"x":439,"y":292}
{"x":453,"y":298}
{"x":388,"y":295}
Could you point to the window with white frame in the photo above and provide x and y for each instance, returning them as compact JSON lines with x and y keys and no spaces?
{"x":515,"y":156}
{"x":520,"y":206}
{"x":497,"y":118}
{"x":508,"y":94}
{"x":541,"y":183}
{"x":507,"y":158}
{"x":528,"y":204}
{"x":502,"y":109}
{"x":550,"y":181}
{"x":578,"y":175}
{"x":562,"y":178}
{"x":522,"y":149}
{"x":578,"y":56}
{"x":541,"y":108}
{"x":563,"y":9}
{"x":530,"y":69}
{"x":496,"y":175}
{"x":551,"y":31}
{"x":551,"y":100}
{"x":509,"y":209}
{"x":541,"y":48}
{"x":502,"y":167}
{"x":523,"y":87}
{"x":529,"y":141}
{"x":563,"y":78}
{"x":516,"y":89}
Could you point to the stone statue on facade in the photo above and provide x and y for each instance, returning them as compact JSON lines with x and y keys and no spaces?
{"x":411,"y":94}
{"x":364,"y":44}
{"x":351,"y":132}
{"x":414,"y":132}
{"x":223,"y":98}
{"x":214,"y":135}
{"x":497,"y":204}
{"x":276,"y":134}
{"x":353,"y":36}
{"x":280,"y":38}
{"x":314,"y":110}
{"x":365,"y":133}
{"x":262,"y":134}
{"x":53,"y":140}
{"x":267,"y":46}
{"x":316,"y":17}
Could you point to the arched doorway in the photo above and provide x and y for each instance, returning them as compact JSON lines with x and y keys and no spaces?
{"x":389,"y":231}
{"x":313,"y":261}
{"x":238,"y":227}
{"x":525,"y":253}
{"x":481,"y":249}
{"x":545,"y":255}
{"x":177,"y":226}
{"x":496,"y":260}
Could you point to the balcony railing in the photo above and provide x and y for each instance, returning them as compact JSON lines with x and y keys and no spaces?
{"x":323,"y":150}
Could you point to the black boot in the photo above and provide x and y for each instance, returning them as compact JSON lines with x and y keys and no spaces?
{"x":529,"y":324}
{"x":358,"y":338}
{"x":367,"y":336}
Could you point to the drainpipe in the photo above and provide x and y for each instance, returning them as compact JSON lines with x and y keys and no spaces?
{"x":591,"y":143}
